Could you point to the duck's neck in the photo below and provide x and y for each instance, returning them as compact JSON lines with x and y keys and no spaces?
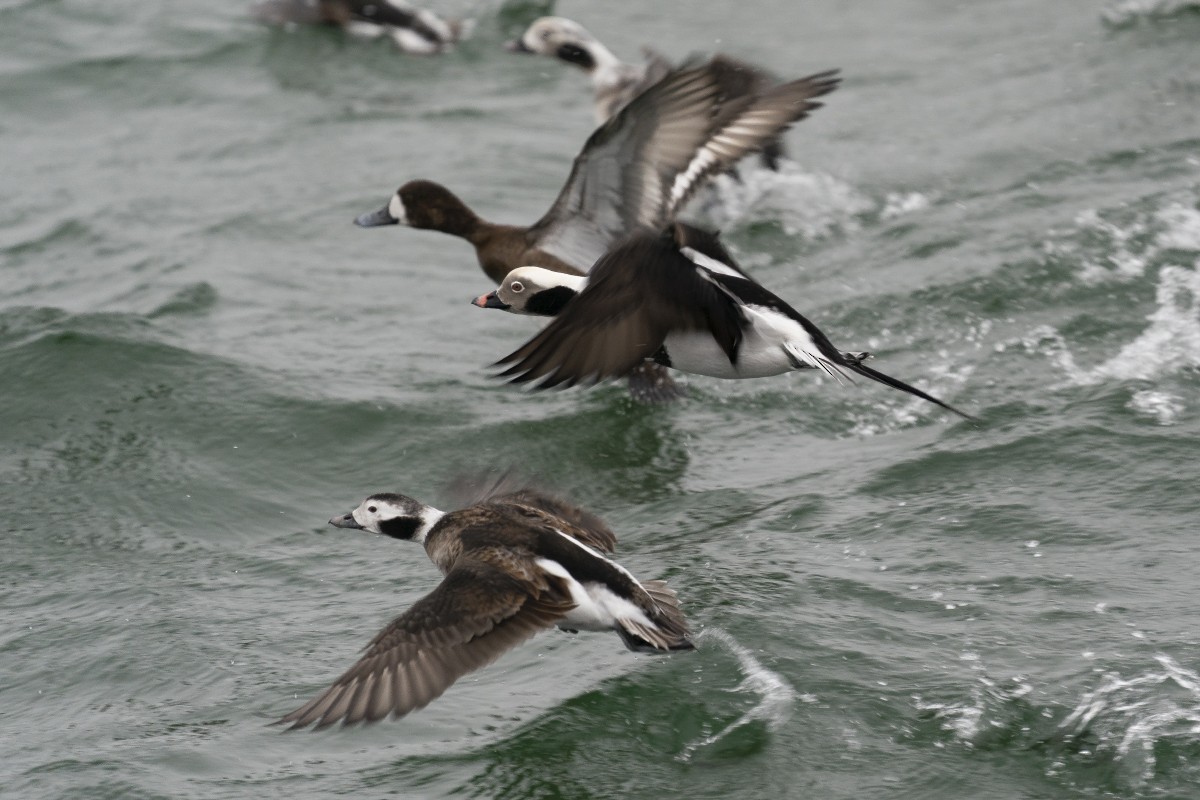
{"x":430,"y":517}
{"x":607,"y":70}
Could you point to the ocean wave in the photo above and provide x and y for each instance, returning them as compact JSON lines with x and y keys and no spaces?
{"x":1118,"y":253}
{"x":1170,"y":343}
{"x":1123,"y":244}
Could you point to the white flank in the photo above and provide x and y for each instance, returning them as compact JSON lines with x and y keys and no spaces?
{"x":808,"y":355}
{"x":597,"y":608}
{"x":366,"y":30}
{"x":410,"y":41}
{"x":767,"y":341}
{"x":436,"y":24}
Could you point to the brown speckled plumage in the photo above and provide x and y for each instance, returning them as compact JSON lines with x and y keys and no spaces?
{"x":506,"y":561}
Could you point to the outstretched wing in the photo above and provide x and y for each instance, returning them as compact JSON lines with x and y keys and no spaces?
{"x":641,"y":166}
{"x":476,"y":614}
{"x":743,"y":127}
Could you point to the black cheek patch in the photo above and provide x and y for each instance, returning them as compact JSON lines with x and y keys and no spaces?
{"x":549,"y":302}
{"x":575,"y":54}
{"x":399,"y":527}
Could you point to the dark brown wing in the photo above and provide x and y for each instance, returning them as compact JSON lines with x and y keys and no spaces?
{"x":474,"y":616}
{"x":637,"y":294}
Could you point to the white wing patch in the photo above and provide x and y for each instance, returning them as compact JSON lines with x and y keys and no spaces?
{"x":710,"y":263}
{"x":795,"y":342}
{"x":684,"y":181}
{"x":799,"y":353}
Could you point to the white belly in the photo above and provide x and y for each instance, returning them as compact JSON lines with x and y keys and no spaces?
{"x":762,"y":352}
{"x":596,"y":607}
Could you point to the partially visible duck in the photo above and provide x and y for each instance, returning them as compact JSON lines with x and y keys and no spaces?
{"x":656,"y":298}
{"x":516,"y":562}
{"x":615,"y":82}
{"x":414,"y":30}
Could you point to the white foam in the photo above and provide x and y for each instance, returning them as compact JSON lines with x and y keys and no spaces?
{"x":1181,"y":229}
{"x":1123,"y":257}
{"x":1164,"y":407}
{"x":898,"y":204}
{"x":1132,"y":715}
{"x":966,"y":720}
{"x":777,"y":697}
{"x":1169,"y":343}
{"x":809,"y":204}
{"x":1123,"y":250}
{"x":1173,"y":338}
{"x":1123,"y":13}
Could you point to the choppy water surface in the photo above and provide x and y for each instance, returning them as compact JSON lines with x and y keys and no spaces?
{"x":203,"y":360}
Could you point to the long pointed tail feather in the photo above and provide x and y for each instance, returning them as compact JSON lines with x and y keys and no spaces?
{"x":888,"y":380}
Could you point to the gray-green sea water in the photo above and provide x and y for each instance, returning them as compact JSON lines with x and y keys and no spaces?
{"x":202,"y":360}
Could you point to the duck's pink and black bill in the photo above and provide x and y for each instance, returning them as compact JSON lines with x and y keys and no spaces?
{"x":345,"y":521}
{"x":516,"y":46}
{"x":489,"y":300}
{"x":374,"y":219}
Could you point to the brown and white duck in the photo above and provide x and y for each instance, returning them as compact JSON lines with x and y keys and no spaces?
{"x":414,"y":30}
{"x":681,"y":304}
{"x":516,"y":562}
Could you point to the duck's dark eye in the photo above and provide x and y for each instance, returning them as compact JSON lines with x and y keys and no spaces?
{"x":517,"y":287}
{"x":372,"y":509}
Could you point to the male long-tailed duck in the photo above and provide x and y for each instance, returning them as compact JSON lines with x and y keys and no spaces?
{"x":516,"y":562}
{"x":414,"y":30}
{"x":615,"y":82}
{"x":683,"y":305}
{"x":638,"y":169}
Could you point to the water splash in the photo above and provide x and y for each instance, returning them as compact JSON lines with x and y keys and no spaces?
{"x":1171,"y":341}
{"x":1132,"y":716}
{"x":990,"y":703}
{"x":813,"y":205}
{"x":776,"y":695}
{"x":1164,"y":407}
{"x":1181,"y":227}
{"x":1124,"y":13}
{"x":1120,"y":245}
